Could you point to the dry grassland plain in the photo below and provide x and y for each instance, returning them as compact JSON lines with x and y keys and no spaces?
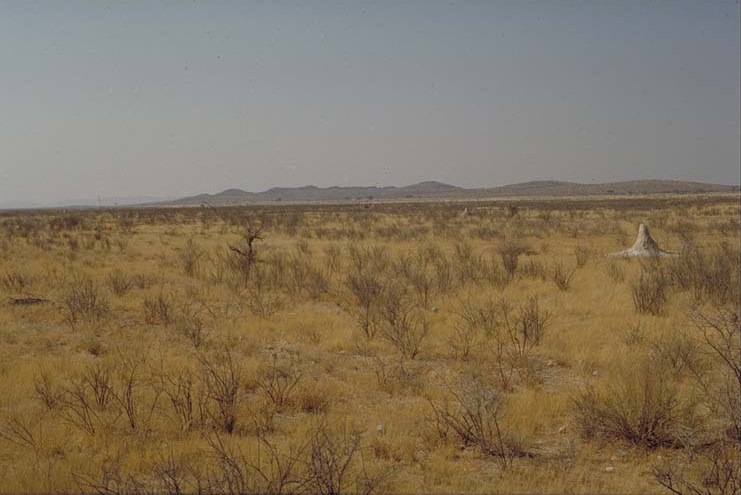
{"x":384,"y":348}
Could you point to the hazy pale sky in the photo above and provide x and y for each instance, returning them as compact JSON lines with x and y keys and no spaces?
{"x":170,"y":98}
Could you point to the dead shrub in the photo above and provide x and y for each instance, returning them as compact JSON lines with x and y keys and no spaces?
{"x":159,"y":310}
{"x":472,"y":413}
{"x":650,"y":290}
{"x":245,"y":257}
{"x":581,"y":253}
{"x":190,"y":257}
{"x":180,"y":389}
{"x":366,"y":288}
{"x":119,"y":282}
{"x":510,"y":334}
{"x":336,"y":465}
{"x":15,"y":281}
{"x":416,"y":270}
{"x":719,"y":473}
{"x":142,"y":281}
{"x":190,"y":325}
{"x":221,"y":377}
{"x":641,"y":405}
{"x":261,"y":302}
{"x":718,"y":371}
{"x":85,"y":402}
{"x":615,"y":271}
{"x":402,"y":325}
{"x":278,"y":381}
{"x":533,"y":269}
{"x":562,"y":276}
{"x":47,"y":391}
{"x":711,"y":275}
{"x":84,"y":303}
{"x":510,"y":253}
{"x":22,"y":431}
{"x":239,"y":472}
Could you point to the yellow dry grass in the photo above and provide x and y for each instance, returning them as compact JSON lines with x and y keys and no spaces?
{"x":301,"y":366}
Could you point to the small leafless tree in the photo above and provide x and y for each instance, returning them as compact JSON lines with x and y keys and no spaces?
{"x":336,"y":465}
{"x":562,"y":275}
{"x":366,"y":289}
{"x":222,"y":377}
{"x":278,"y":381}
{"x":472,"y":412}
{"x":720,"y":478}
{"x":510,"y":253}
{"x":84,"y":302}
{"x":402,"y":325}
{"x":246,"y":255}
{"x":268,"y":471}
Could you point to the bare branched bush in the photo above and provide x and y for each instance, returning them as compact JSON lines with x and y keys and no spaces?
{"x":525,"y":327}
{"x":510,"y":253}
{"x":511,"y":334}
{"x":467,"y":263}
{"x":615,"y":270}
{"x":130,"y":392}
{"x":259,"y":300}
{"x":221,"y":377}
{"x":367,"y":290}
{"x":335,"y":464}
{"x":471,"y":412}
{"x":716,"y":335}
{"x":245,"y":257}
{"x":533,"y":269}
{"x":177,"y":475}
{"x":190,"y":257}
{"x":711,"y":275}
{"x":278,"y":381}
{"x":395,"y":375}
{"x":641,"y":405}
{"x":418,"y":273}
{"x":143,"y":281}
{"x":119,"y":282}
{"x":476,"y":322}
{"x":159,"y":310}
{"x":268,"y":471}
{"x":190,"y":325}
{"x":444,"y":279}
{"x":581,"y":253}
{"x":180,"y":391}
{"x":650,"y":290}
{"x":15,"y":281}
{"x":719,"y":475}
{"x":562,"y":275}
{"x":464,"y":339}
{"x":22,"y":431}
{"x":84,"y":303}
{"x":108,"y":477}
{"x":85,"y":402}
{"x":47,"y":391}
{"x":333,"y":260}
{"x":402,"y":325}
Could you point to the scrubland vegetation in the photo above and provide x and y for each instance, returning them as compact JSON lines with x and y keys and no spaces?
{"x":381,"y":348}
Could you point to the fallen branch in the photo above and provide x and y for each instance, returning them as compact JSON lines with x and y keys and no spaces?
{"x":27,"y":300}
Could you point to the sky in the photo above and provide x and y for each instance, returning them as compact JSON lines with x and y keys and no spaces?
{"x":163,"y":99}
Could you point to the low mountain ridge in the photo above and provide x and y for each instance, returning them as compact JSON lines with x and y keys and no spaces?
{"x":434,"y":189}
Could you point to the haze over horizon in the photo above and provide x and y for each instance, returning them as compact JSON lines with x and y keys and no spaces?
{"x":169,"y":99}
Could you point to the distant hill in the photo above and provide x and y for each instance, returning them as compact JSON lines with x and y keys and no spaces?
{"x":432,"y":189}
{"x":557,"y":188}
